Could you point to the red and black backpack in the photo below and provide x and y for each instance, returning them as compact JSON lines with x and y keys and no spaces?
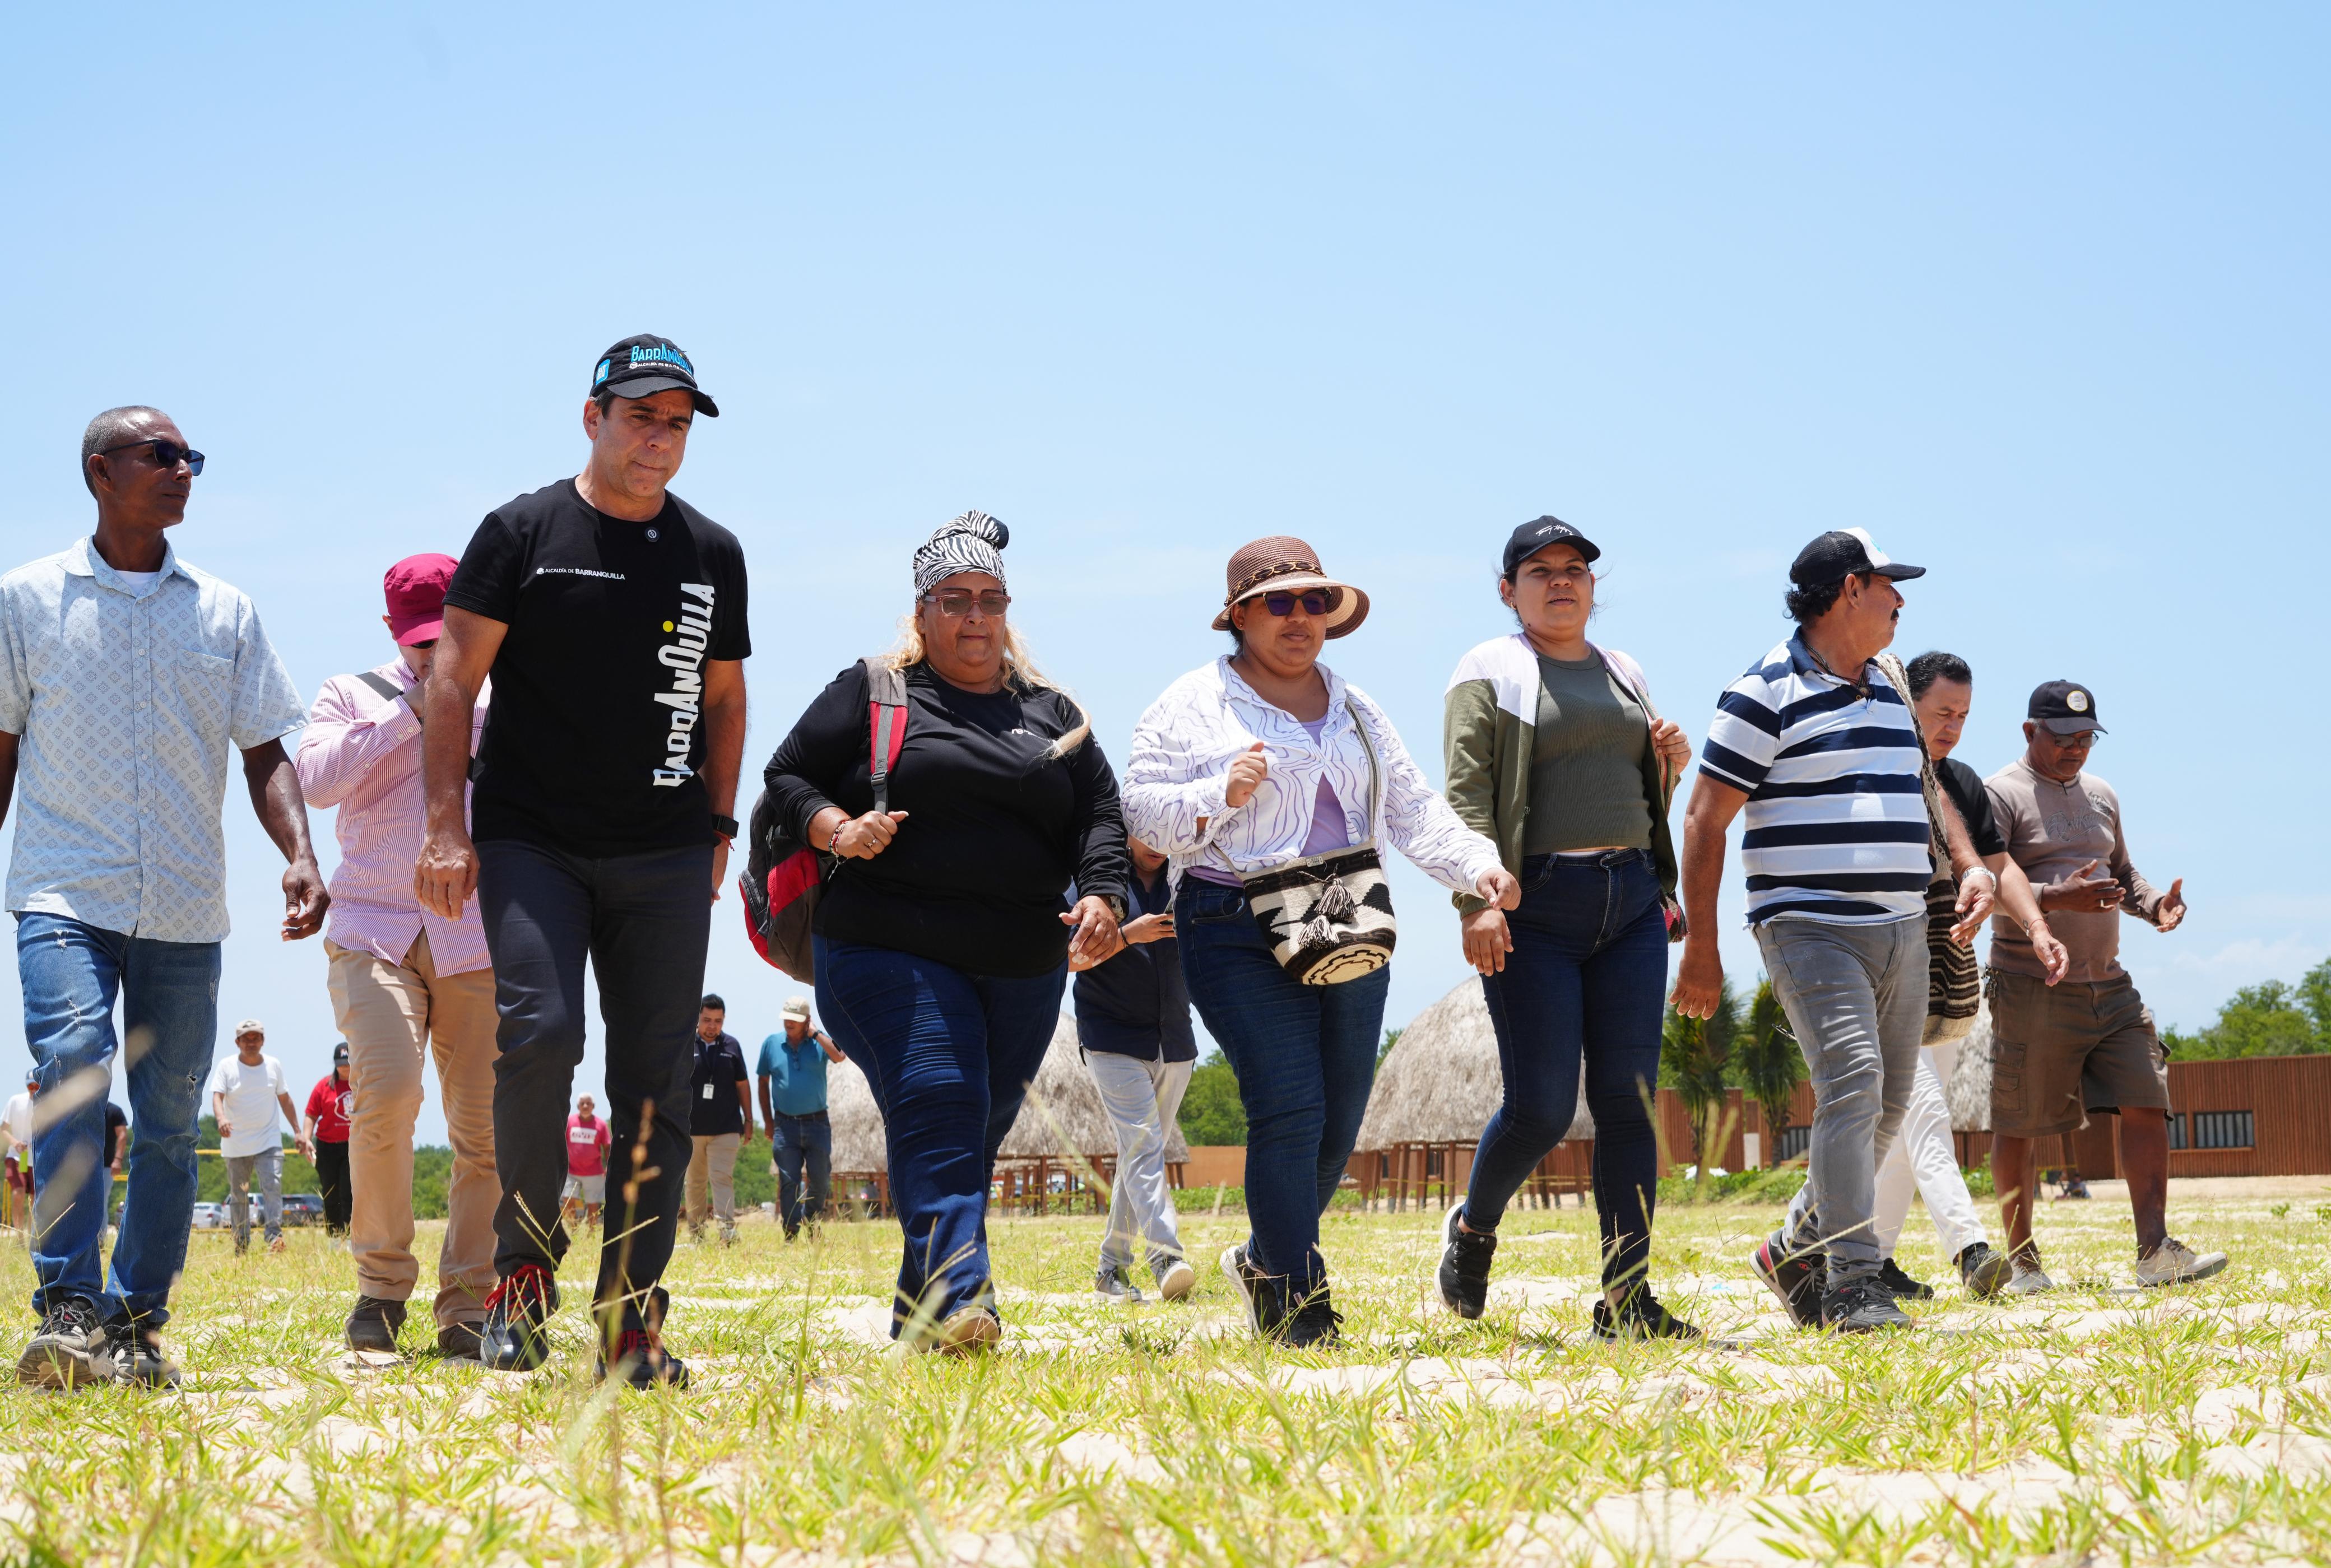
{"x":783,"y":878}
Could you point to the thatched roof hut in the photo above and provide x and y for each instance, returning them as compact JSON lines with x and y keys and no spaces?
{"x":1442,"y":1080}
{"x":1968,"y":1094}
{"x":1061,"y":1116}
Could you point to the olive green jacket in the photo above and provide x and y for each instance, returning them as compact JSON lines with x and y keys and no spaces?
{"x":1488,"y":727}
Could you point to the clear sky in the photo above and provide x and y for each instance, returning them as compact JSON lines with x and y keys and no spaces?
{"x":2034,"y":294}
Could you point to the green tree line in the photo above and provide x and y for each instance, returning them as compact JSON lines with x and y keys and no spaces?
{"x":2270,"y":1019}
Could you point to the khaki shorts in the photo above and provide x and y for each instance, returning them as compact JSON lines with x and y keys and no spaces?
{"x":2058,"y":1052}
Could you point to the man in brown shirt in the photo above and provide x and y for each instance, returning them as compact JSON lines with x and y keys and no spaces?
{"x":2088,"y":1045}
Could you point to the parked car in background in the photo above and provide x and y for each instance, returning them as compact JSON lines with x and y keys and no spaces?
{"x":303,"y":1208}
{"x":210,"y":1216}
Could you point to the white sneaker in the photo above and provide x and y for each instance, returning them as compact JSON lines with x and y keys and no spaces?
{"x":1178,"y":1280}
{"x":2031,"y":1281}
{"x":2175,"y":1263}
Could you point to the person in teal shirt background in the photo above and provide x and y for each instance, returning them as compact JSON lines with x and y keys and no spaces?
{"x":793,"y":1103}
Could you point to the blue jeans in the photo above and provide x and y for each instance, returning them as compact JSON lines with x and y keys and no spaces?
{"x":1305,"y":1057}
{"x":1583,"y":985}
{"x":802,"y":1147}
{"x":948,"y":1057}
{"x":71,"y":973}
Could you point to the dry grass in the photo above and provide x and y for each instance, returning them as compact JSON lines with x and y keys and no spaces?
{"x":2093,"y":1427}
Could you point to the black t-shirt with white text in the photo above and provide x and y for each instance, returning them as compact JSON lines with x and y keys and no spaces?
{"x":594,"y":737}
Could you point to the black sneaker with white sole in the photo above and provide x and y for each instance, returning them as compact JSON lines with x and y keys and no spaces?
{"x":1266,"y":1303}
{"x":516,"y":1337}
{"x":1862,"y":1306}
{"x":1983,"y":1272}
{"x":1641,"y":1316}
{"x":1313,"y":1324}
{"x":1900,"y":1284}
{"x":1798,"y":1279}
{"x":1465,"y":1274}
{"x":138,"y":1359}
{"x":70,"y":1349}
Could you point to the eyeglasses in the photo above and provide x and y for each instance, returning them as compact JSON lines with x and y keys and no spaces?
{"x":956,"y":602}
{"x":168,"y":453}
{"x":2080,"y":742}
{"x":1315,"y":602}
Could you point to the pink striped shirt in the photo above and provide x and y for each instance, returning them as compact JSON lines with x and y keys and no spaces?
{"x":362,"y":753}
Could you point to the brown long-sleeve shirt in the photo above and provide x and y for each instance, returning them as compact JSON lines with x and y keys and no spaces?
{"x":2052,"y":830}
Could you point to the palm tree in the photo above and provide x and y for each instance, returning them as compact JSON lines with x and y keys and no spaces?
{"x":1771,"y":1065}
{"x":1692,"y":1058}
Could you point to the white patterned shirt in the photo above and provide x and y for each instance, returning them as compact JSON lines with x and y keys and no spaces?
{"x":1183,"y":749}
{"x":128,"y":704}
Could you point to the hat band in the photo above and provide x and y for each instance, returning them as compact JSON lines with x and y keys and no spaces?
{"x":1265,"y":573}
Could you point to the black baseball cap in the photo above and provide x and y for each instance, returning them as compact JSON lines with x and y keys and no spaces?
{"x":340,"y":1053}
{"x":1539,"y":533}
{"x":641,"y":365}
{"x":2066,"y":708}
{"x":1844,"y":553}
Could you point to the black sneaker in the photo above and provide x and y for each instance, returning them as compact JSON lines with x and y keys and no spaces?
{"x":1900,"y":1284}
{"x":1983,"y":1271}
{"x":1861,"y":1307}
{"x":138,"y":1358}
{"x":1642,"y":1317}
{"x":515,"y":1337}
{"x":69,"y":1350}
{"x":1266,"y":1307}
{"x":1313,"y":1325}
{"x":1465,"y":1265}
{"x":1798,"y":1279}
{"x":642,"y":1362}
{"x":375,"y":1324}
{"x":460,"y":1340}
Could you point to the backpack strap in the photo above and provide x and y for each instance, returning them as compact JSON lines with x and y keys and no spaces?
{"x":886,"y":725}
{"x":1928,"y":784}
{"x":380,"y":683}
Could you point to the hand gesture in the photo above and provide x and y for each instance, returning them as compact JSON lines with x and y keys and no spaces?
{"x":1096,"y":938}
{"x":1246,"y":775}
{"x":2082,"y":890}
{"x":2171,"y":914}
{"x":1148,"y":928}
{"x":863,"y":838}
{"x":1498,"y":889}
{"x":1487,"y":939}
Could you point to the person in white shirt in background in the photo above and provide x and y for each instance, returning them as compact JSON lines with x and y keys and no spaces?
{"x":246,"y":1089}
{"x":17,"y":1126}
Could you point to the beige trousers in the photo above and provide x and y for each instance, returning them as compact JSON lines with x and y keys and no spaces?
{"x":393,"y":1015}
{"x":713,"y":1165}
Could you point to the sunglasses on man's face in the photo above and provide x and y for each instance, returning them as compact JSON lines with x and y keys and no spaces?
{"x":954,"y":603}
{"x":167,"y":453}
{"x":1315,"y":602}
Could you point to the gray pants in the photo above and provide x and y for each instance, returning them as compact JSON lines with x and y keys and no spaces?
{"x":269,"y":1164}
{"x":1142,"y":1098}
{"x":1856,"y":997}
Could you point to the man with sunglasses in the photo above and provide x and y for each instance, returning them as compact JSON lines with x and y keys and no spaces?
{"x":126,"y":677}
{"x":612,"y":616}
{"x":2087,"y":1043}
{"x":405,"y":981}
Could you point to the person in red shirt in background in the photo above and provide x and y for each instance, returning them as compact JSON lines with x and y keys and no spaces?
{"x":325,"y":1123}
{"x":588,"y":1141}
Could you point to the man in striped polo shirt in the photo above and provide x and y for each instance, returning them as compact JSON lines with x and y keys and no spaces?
{"x":1818,"y":745}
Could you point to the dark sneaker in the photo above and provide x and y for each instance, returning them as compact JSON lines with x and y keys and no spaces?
{"x":1111,"y":1285}
{"x":1862,"y":1306}
{"x":1902,"y":1286}
{"x":1266,"y":1308}
{"x":642,"y":1362}
{"x":138,"y":1358}
{"x":375,"y":1324}
{"x":515,"y":1337}
{"x":460,"y":1340}
{"x":1465,"y":1255}
{"x":69,"y":1350}
{"x":1640,"y":1317}
{"x":1798,"y":1279}
{"x":1313,"y":1325}
{"x":1983,"y":1272}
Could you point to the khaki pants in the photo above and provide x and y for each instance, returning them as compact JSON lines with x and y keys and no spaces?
{"x":713,"y":1165}
{"x":394,"y":1014}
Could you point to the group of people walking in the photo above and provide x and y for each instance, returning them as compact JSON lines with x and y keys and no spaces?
{"x":545,"y":776}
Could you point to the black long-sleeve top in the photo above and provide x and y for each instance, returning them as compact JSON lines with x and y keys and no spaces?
{"x":995,"y":829}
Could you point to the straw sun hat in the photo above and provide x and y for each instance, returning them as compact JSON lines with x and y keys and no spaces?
{"x":1283,"y":564}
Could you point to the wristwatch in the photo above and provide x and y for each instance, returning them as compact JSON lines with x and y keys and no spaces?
{"x":726,"y":827}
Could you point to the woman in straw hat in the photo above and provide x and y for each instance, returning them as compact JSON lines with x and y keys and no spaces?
{"x":1268,"y":781}
{"x":943,"y":939}
{"x":1556,"y":753}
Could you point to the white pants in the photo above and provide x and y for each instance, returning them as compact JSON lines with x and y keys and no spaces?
{"x":1925,"y":1159}
{"x":1142,"y":1099}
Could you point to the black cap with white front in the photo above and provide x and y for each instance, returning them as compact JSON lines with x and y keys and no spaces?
{"x":1844,"y":553}
{"x":2065,"y":707}
{"x":643,"y":366}
{"x":1540,"y":532}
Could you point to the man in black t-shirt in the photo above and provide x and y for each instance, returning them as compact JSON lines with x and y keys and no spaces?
{"x":721,"y":1121}
{"x":611,"y":616}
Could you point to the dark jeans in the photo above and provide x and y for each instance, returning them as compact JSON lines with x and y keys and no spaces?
{"x":948,"y":1057}
{"x":802,"y":1147}
{"x":72,"y":974}
{"x":1585,"y":984}
{"x":642,"y":922}
{"x":332,"y":1176}
{"x":1305,"y":1056}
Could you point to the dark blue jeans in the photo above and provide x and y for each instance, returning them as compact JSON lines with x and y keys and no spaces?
{"x":71,"y":973}
{"x":948,"y":1057}
{"x":802,"y":1149}
{"x":1585,"y":980}
{"x":1305,"y":1056}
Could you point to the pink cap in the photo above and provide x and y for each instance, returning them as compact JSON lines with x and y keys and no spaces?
{"x":416,"y":597}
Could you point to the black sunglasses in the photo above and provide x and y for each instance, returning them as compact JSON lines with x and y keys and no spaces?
{"x":168,"y":453}
{"x":1315,"y":602}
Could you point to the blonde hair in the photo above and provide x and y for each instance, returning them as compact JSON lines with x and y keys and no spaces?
{"x":1019,"y":671}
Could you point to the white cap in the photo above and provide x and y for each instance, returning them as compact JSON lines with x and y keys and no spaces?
{"x":797,"y":1008}
{"x":248,"y":1026}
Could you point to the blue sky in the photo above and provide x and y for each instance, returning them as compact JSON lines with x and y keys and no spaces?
{"x":2035,"y":295}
